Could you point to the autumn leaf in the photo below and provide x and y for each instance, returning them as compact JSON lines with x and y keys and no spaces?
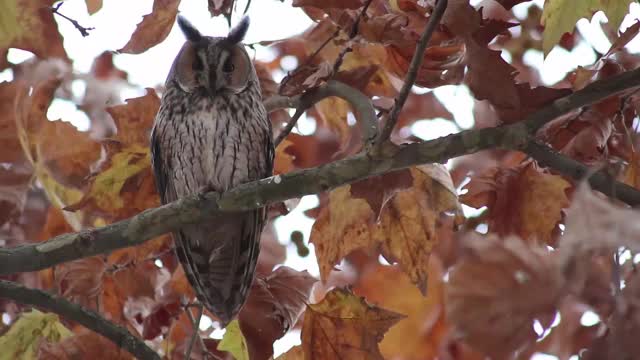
{"x":378,"y":190}
{"x":29,"y":25}
{"x":561,"y":16}
{"x":496,"y":311}
{"x":524,"y":201}
{"x":124,"y":176}
{"x":81,"y":280}
{"x":24,"y":336}
{"x":234,"y":342}
{"x":93,"y":6}
{"x":406,"y":231}
{"x":154,"y":28}
{"x":349,"y":4}
{"x":344,"y":326}
{"x":272,"y":308}
{"x":419,"y":334}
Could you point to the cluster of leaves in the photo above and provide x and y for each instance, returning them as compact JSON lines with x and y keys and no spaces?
{"x":545,"y":258}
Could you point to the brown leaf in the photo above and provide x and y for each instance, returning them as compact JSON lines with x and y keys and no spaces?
{"x":81,"y":280}
{"x":29,"y":25}
{"x":494,"y":312}
{"x":93,"y":6}
{"x":523,"y":201}
{"x":284,"y":159}
{"x":344,"y":326}
{"x":406,"y":232}
{"x":103,"y":67}
{"x":378,"y":190}
{"x":11,"y":150}
{"x":84,"y":344}
{"x":135,"y":119}
{"x":154,"y":28}
{"x":625,"y":37}
{"x":273,"y":307}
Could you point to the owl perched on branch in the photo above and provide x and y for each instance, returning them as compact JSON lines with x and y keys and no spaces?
{"x":212,"y":133}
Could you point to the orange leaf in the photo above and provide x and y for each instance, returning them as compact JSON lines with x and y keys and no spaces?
{"x":154,"y":28}
{"x":81,"y":280}
{"x":344,"y":326}
{"x":85,"y":344}
{"x":406,"y":232}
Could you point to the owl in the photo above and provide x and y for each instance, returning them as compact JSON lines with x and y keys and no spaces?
{"x":212,"y":133}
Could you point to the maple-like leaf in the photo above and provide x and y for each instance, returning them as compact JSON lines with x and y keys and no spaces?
{"x":81,"y":280}
{"x":23,"y":337}
{"x":273,"y":307}
{"x":406,"y":231}
{"x":154,"y":27}
{"x":519,"y":284}
{"x":378,"y":190}
{"x":29,"y":25}
{"x":561,"y":16}
{"x":344,"y":326}
{"x":524,"y":201}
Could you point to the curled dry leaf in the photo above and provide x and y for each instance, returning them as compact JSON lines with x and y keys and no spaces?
{"x":406,"y":231}
{"x":81,"y":280}
{"x":344,"y":326}
{"x":497,"y":290}
{"x":29,"y":25}
{"x":154,"y":27}
{"x":524,"y":201}
{"x":273,"y":307}
{"x":305,"y":77}
{"x":83,"y":344}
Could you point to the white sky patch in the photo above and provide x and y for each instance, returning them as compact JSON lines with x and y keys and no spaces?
{"x":67,"y":111}
{"x":543,"y":356}
{"x":589,"y":318}
{"x":433,"y":129}
{"x":459,"y":101}
{"x":289,"y":340}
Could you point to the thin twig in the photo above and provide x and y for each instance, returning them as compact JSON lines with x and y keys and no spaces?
{"x":87,"y":318}
{"x":412,"y":73}
{"x":352,"y":34}
{"x":83,"y":30}
{"x":196,"y":327}
{"x":290,"y":125}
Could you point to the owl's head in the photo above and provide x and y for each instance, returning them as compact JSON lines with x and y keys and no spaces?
{"x":212,"y":64}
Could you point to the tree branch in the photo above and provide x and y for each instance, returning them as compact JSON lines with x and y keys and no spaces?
{"x":87,"y":318}
{"x":194,"y":209}
{"x":84,"y":31}
{"x":412,"y":73}
{"x":599,"y":180}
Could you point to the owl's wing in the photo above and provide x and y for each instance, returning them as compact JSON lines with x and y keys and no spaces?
{"x":161,"y":169}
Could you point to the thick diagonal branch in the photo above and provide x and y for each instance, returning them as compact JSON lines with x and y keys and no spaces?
{"x":87,"y":318}
{"x":195,"y":209}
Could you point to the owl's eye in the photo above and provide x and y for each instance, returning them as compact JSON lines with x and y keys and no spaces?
{"x":228,"y":66}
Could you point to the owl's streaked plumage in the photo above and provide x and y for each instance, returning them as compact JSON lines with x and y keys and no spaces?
{"x":212,"y":133}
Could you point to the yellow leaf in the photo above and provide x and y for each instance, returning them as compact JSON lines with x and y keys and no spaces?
{"x":22,"y":339}
{"x":234,"y":342}
{"x":344,"y":326}
{"x":561,"y":16}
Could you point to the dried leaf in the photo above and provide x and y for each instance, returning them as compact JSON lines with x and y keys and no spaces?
{"x":23,"y":337}
{"x":321,"y":4}
{"x":29,"y":25}
{"x":523,"y":201}
{"x":273,"y":307}
{"x":519,"y":283}
{"x":153,"y":28}
{"x":81,"y":280}
{"x":93,"y":6}
{"x":344,"y":326}
{"x":378,"y":190}
{"x":406,"y":232}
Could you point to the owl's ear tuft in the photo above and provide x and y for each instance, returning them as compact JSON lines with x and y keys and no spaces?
{"x":236,"y":35}
{"x":190,"y":32}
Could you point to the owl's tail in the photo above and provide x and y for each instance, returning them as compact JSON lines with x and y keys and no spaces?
{"x":220,"y":258}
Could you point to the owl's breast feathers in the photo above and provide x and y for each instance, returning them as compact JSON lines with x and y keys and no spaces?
{"x":215,"y":143}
